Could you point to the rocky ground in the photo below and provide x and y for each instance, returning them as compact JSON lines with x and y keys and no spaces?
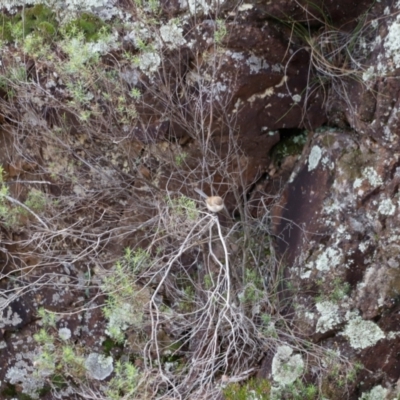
{"x":116,"y":282}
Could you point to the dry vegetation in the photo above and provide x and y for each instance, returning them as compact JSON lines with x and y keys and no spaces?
{"x":191,"y":301}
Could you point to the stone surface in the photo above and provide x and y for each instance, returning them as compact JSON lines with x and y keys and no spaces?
{"x":337,"y":222}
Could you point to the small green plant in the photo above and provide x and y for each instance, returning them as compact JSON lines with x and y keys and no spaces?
{"x":340,"y":290}
{"x":151,"y":6}
{"x":79,"y":93}
{"x":288,"y":146}
{"x":125,"y":382}
{"x":220,"y":31}
{"x":55,"y":364}
{"x":184,"y":207}
{"x":136,"y":260}
{"x":180,"y":158}
{"x":352,"y":373}
{"x":4,"y":208}
{"x":43,"y":337}
{"x":253,"y":288}
{"x":208,"y":282}
{"x":336,"y":291}
{"x":8,"y":213}
{"x":188,"y":299}
{"x":48,"y":318}
{"x":88,"y":25}
{"x":36,"y":201}
{"x":268,"y":328}
{"x":135,"y":93}
{"x":339,"y":376}
{"x":68,"y":355}
{"x":125,"y":303}
{"x":253,"y":389}
{"x":298,"y":390}
{"x":38,"y":20}
{"x":84,"y":116}
{"x":18,"y":74}
{"x":80,"y":53}
{"x":35,"y":46}
{"x":127,"y":112}
{"x":45,"y":362}
{"x":71,"y":363}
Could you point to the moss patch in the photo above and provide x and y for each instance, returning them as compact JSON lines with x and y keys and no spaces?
{"x":90,"y":25}
{"x":39,"y":19}
{"x":287,"y":146}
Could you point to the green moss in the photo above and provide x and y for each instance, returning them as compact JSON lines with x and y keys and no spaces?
{"x":108,"y":345}
{"x":46,"y":29}
{"x":298,"y":390}
{"x":288,"y":146}
{"x":352,"y":164}
{"x":59,"y":381}
{"x":39,"y":18}
{"x":333,"y":291}
{"x":11,"y":392}
{"x":252,"y":389}
{"x":90,"y":25}
{"x":5,"y":28}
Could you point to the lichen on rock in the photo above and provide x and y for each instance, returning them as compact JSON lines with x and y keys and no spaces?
{"x":376,"y":393}
{"x":99,"y":366}
{"x":314,"y":157}
{"x":286,"y":366}
{"x":172,"y":35}
{"x":329,"y":316}
{"x":361,"y":333}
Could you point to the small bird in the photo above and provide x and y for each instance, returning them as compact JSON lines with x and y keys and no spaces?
{"x":213,"y":203}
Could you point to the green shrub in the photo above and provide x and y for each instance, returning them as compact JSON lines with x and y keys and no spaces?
{"x":253,"y":389}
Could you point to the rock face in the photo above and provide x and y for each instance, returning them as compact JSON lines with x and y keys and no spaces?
{"x":338,"y":219}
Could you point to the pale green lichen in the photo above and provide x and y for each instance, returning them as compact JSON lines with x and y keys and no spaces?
{"x":305,"y":274}
{"x":195,"y":6}
{"x":9,"y":317}
{"x":28,"y":377}
{"x":328,"y":259}
{"x":172,"y":35}
{"x":372,"y":176}
{"x":149,"y":62}
{"x":329,"y":316}
{"x":377,"y":393}
{"x":357,"y":183}
{"x":368,"y":74}
{"x":363,"y":246}
{"x":332,"y":207}
{"x":386,"y":207}
{"x":388,"y":135}
{"x":314,"y":157}
{"x":326,"y":162}
{"x":256,"y":64}
{"x":99,"y":366}
{"x":392,"y":42}
{"x":64,"y":333}
{"x":104,"y":8}
{"x":120,"y":319}
{"x":296,"y":98}
{"x":361,"y":333}
{"x":245,"y":7}
{"x":286,"y":367}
